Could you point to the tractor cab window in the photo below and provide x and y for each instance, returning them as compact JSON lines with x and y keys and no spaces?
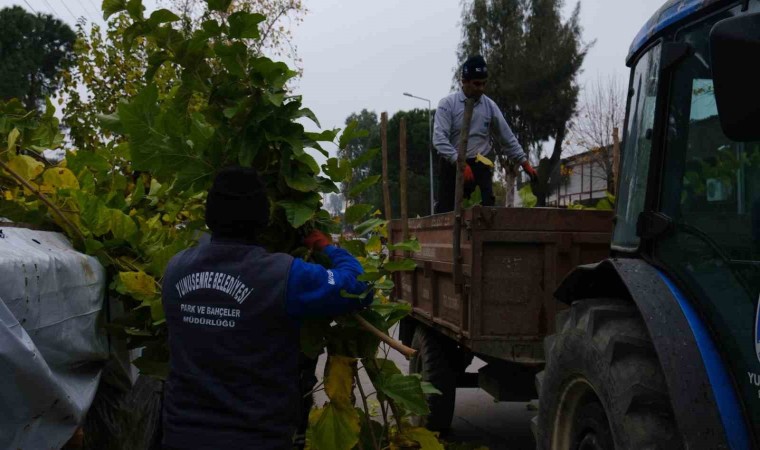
{"x":711,"y":185}
{"x":638,"y":147}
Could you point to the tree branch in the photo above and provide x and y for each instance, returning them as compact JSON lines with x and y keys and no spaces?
{"x":393,"y":343}
{"x":366,"y":411}
{"x":75,"y":229}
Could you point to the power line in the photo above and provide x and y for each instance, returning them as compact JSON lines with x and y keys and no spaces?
{"x":51,"y":7}
{"x":95,"y":8}
{"x":67,"y":9}
{"x":30,"y":7}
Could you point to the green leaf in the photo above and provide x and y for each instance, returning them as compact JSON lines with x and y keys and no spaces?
{"x":233,"y":56}
{"x":92,"y":246}
{"x":424,"y":437}
{"x":355,"y":213}
{"x":297,"y":213}
{"x":26,"y":167}
{"x":12,"y":137}
{"x":363,"y":185}
{"x":368,"y":225}
{"x":400,"y":265}
{"x":135,"y":9}
{"x":351,"y":132}
{"x":122,"y":226}
{"x":302,"y":182}
{"x":111,"y":7}
{"x":337,"y":169}
{"x":306,"y":112}
{"x":392,"y":312}
{"x":211,"y":27}
{"x":526,"y":196}
{"x":476,"y":198}
{"x":409,"y":246}
{"x":374,"y":244}
{"x":406,"y":391}
{"x":162,"y":16}
{"x":309,"y":161}
{"x":370,"y":276}
{"x":219,"y":5}
{"x":365,"y":157}
{"x":339,"y":377}
{"x":336,"y":428}
{"x":139,"y":285}
{"x":429,"y":389}
{"x":355,"y":246}
{"x":244,"y":25}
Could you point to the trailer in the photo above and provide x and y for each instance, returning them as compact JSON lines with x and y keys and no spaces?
{"x":502,"y":307}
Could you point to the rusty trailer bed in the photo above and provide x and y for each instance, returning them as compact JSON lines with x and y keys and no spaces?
{"x":512,"y":261}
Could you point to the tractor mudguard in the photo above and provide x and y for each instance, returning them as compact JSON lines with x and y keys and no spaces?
{"x":691,"y":394}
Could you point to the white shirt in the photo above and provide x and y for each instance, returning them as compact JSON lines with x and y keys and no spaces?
{"x":448,"y":125}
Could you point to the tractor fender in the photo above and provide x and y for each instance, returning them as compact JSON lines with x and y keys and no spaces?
{"x":692,"y":396}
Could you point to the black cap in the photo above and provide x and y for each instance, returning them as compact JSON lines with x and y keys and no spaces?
{"x":474,"y":68}
{"x":237,"y":203}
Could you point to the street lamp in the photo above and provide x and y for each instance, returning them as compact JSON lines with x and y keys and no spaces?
{"x":430,"y":148}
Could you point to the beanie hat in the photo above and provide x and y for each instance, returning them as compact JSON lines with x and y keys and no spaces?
{"x":474,"y":68}
{"x":237,"y":203}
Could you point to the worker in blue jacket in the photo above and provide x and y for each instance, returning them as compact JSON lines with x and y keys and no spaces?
{"x":233,"y":312}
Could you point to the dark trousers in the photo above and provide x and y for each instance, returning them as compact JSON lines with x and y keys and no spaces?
{"x":447,"y":176}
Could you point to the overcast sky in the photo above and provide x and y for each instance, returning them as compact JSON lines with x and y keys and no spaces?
{"x":367,"y":53}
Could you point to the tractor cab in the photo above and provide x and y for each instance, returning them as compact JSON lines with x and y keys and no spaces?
{"x":689,"y":194}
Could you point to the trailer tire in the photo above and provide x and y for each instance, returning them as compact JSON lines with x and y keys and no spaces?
{"x":436,"y":362}
{"x":603,"y":387}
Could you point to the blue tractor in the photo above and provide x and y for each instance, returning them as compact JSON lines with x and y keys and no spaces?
{"x":659,"y":348}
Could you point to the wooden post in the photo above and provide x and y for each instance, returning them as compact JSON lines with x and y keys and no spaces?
{"x":615,"y":159}
{"x":402,"y":180}
{"x":386,"y":186}
{"x":469,"y":106}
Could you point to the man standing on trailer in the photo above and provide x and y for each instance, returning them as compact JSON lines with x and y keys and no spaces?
{"x":485,"y":118}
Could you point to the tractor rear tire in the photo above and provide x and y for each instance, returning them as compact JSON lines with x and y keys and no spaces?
{"x":436,"y":361}
{"x":603,"y":387}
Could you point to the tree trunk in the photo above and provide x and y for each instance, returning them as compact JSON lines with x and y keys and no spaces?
{"x":548,"y":167}
{"x":510,"y":178}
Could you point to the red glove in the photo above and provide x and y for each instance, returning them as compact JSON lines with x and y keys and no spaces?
{"x":530,"y":171}
{"x":317,"y":240}
{"x":469,"y":177}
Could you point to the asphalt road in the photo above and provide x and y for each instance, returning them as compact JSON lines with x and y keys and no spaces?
{"x":478,"y":419}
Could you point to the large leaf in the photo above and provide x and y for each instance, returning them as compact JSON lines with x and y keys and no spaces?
{"x":406,"y":390}
{"x":59,"y":178}
{"x":297,"y":213}
{"x":368,"y":225}
{"x":219,"y":5}
{"x":412,"y":245}
{"x":137,"y":284}
{"x":335,"y":428}
{"x":355,"y":246}
{"x":122,"y":226}
{"x":26,"y":167}
{"x":363,"y":185}
{"x":426,"y":438}
{"x":111,"y":7}
{"x":339,"y":377}
{"x":400,"y":265}
{"x":355,"y":213}
{"x":337,"y":169}
{"x":244,"y":25}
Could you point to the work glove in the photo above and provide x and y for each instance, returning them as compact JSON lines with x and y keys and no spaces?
{"x":317,"y":240}
{"x":530,"y":171}
{"x":469,"y":177}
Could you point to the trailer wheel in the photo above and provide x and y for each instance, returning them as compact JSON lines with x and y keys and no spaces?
{"x":603,"y":387}
{"x":436,"y":362}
